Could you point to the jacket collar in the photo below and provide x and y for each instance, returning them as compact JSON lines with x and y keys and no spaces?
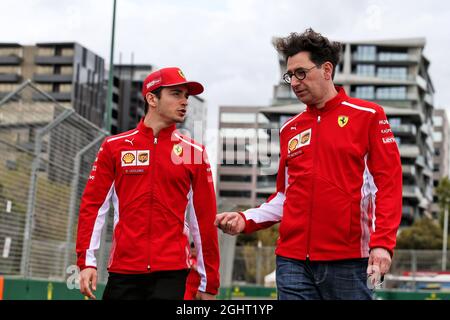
{"x":330,"y":104}
{"x":163,"y":133}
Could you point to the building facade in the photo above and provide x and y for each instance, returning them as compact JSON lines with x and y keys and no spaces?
{"x":128,"y":103}
{"x":68,"y":72}
{"x":441,"y":152}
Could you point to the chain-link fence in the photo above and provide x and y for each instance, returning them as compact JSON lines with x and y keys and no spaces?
{"x":46,"y":153}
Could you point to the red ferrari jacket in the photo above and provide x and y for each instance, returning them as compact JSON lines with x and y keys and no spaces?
{"x":339,"y":184}
{"x":156,"y":185}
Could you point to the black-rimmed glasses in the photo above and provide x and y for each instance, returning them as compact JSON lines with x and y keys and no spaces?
{"x":299,"y":73}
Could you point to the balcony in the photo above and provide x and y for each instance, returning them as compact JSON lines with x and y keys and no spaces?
{"x":409,"y":170}
{"x":50,"y":78}
{"x":429,"y":99}
{"x":409,"y":150}
{"x":404,"y":129}
{"x":420,"y":161}
{"x":50,"y":60}
{"x":59,"y":96}
{"x":412,"y":192}
{"x":10,"y":77}
{"x":406,"y":59}
{"x":426,"y":129}
{"x":427,"y":172}
{"x":232,"y":170}
{"x":235,"y":186}
{"x":10,"y":60}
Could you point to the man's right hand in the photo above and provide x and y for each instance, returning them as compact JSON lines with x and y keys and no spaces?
{"x":230,"y":222}
{"x":88,"y":282}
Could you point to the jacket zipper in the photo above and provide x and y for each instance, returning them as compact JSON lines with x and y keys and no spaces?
{"x":316,"y":143}
{"x":152,"y":158}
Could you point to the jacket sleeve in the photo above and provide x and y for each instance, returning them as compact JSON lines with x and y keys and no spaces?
{"x":202,"y":213}
{"x":271,"y":211}
{"x":94,"y":207}
{"x":384,"y":164}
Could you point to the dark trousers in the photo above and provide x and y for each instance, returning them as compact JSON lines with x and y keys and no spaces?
{"x":162,"y":285}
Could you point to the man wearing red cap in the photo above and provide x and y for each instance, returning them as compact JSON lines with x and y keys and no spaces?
{"x":157,"y":179}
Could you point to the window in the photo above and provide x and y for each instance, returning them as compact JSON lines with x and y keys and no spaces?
{"x":238,"y":117}
{"x":6,"y":87}
{"x":438,"y":121}
{"x":367,"y":70}
{"x":235,"y":194}
{"x":391,"y":93}
{"x":437,"y":152}
{"x":366,"y":53}
{"x":395,"y":122}
{"x":65,"y":88}
{"x":226,"y":178}
{"x":393,"y":56}
{"x":66,"y":70}
{"x":365,"y":92}
{"x":10,"y":69}
{"x":46,"y":52}
{"x":392,"y":73}
{"x":437,"y":136}
{"x":84,"y":57}
{"x":67,"y":52}
{"x":44,"y":70}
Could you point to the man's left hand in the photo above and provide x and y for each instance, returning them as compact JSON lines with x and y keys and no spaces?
{"x":379,"y":259}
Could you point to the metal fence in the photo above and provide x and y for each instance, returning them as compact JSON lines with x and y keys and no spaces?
{"x":46,"y":153}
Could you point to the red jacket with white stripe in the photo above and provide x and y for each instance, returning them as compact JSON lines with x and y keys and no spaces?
{"x":339,"y":184}
{"x":156,"y":185}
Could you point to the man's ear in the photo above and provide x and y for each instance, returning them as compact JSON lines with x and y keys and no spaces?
{"x":328,"y":70}
{"x":151,"y":99}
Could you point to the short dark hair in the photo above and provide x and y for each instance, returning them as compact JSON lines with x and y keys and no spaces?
{"x":157,"y":93}
{"x":320,"y":48}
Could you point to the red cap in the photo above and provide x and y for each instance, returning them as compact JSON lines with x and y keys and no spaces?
{"x":168,"y":77}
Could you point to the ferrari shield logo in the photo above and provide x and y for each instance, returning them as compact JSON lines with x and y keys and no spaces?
{"x":177,"y":149}
{"x":342,"y":121}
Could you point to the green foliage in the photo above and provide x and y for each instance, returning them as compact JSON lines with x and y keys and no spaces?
{"x":425,"y":233}
{"x":443,"y":193}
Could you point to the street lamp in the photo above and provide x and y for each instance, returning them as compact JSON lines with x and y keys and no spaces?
{"x":108,"y":113}
{"x":444,"y":238}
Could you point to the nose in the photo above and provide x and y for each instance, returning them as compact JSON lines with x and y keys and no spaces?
{"x":295,"y":82}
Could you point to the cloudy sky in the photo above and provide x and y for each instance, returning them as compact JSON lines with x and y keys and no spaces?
{"x":226,"y":44}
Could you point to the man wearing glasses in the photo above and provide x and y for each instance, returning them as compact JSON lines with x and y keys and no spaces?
{"x":339,"y":184}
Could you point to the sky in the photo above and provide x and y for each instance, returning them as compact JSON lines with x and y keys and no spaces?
{"x":227,"y":44}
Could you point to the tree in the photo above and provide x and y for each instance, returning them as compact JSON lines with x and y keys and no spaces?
{"x":427,"y":233}
{"x":443,"y":193}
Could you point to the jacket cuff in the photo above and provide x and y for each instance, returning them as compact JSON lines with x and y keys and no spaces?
{"x":245,"y":220}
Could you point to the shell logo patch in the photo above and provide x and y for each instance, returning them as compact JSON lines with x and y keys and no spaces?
{"x":293,"y":144}
{"x":135,"y":158}
{"x":128,"y":158}
{"x":181,"y":74}
{"x":342,"y":121}
{"x":178,"y":150}
{"x":300,"y":140}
